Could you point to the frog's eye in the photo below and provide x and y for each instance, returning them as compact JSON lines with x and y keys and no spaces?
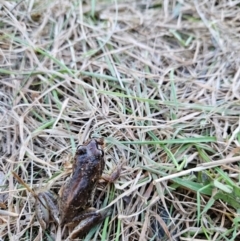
{"x":81,"y":151}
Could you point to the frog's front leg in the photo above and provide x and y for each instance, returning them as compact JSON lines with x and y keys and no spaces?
{"x":86,"y":221}
{"x":46,"y":208}
{"x":111,"y":178}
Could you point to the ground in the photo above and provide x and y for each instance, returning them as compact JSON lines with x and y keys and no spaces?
{"x":158,"y":80}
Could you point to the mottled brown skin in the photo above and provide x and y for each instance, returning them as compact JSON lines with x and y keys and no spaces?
{"x":75,"y":194}
{"x":87,"y":170}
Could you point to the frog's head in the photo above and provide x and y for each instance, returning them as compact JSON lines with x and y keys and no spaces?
{"x":92,"y":148}
{"x":89,"y":157}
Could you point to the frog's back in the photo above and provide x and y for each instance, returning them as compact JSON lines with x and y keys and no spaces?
{"x":87,"y":170}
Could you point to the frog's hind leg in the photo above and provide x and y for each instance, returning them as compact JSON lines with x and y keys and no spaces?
{"x":88,"y":219}
{"x":46,"y":208}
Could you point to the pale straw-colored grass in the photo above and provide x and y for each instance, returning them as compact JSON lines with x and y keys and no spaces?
{"x":159,"y":80}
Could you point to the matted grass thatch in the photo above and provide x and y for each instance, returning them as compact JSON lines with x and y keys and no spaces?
{"x":159,"y":80}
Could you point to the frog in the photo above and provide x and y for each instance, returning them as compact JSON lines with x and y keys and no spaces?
{"x":70,"y":206}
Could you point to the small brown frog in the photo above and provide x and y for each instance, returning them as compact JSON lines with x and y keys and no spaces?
{"x":75,"y":194}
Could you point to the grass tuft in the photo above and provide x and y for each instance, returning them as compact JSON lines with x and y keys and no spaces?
{"x":159,"y":81}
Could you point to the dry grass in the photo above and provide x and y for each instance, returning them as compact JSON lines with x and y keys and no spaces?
{"x":159,"y":80}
